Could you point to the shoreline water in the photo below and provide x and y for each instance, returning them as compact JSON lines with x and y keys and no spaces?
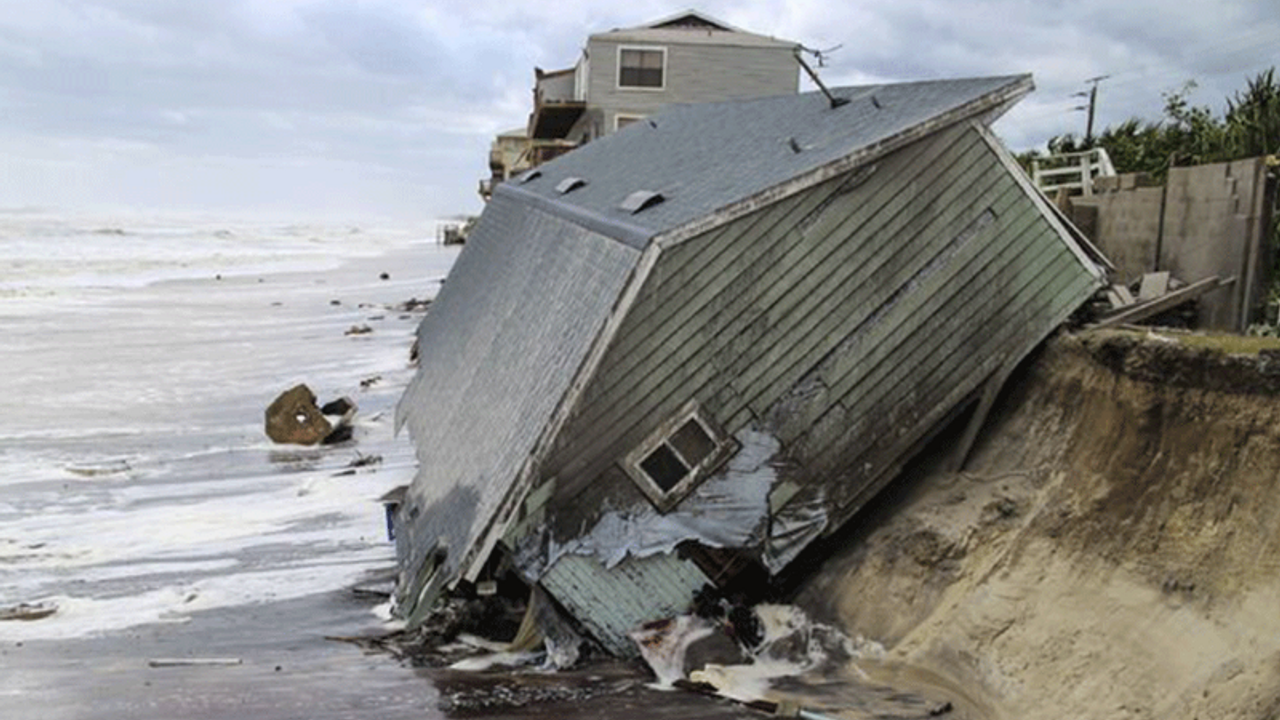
{"x":143,"y":499}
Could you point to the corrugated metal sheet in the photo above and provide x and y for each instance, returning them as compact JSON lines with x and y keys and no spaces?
{"x":502,"y":344}
{"x":609,"y":603}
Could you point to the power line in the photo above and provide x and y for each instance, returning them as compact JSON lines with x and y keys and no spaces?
{"x":1093,"y":102}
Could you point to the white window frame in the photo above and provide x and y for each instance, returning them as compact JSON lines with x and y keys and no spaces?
{"x":630,"y":117}
{"x":617,"y":76}
{"x":665,"y":500}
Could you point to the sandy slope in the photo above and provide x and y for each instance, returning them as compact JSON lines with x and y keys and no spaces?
{"x":1110,"y":552}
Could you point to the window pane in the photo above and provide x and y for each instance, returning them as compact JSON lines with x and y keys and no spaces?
{"x":692,"y":442}
{"x":664,"y":468}
{"x":640,"y":68}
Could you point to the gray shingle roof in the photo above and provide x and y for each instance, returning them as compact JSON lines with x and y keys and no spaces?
{"x":502,"y":343}
{"x":705,"y":157}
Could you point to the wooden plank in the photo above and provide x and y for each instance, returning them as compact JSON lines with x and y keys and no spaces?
{"x":1167,"y":302}
{"x":1119,"y":296}
{"x":1153,"y":286}
{"x":990,"y":391}
{"x":193,"y":662}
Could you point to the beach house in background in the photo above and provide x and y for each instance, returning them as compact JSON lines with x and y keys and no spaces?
{"x":625,"y":75}
{"x":678,"y":355}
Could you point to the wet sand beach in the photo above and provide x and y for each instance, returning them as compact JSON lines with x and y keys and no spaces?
{"x":141,"y":497}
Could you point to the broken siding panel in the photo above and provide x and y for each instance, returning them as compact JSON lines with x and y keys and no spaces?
{"x":524,"y":302}
{"x":609,"y":603}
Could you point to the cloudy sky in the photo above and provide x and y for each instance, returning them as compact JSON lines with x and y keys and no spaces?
{"x":385,"y":108}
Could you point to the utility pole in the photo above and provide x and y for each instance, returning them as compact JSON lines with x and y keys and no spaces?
{"x":1093,"y":103}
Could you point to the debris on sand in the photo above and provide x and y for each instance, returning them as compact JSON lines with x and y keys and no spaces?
{"x":294,"y":418}
{"x":193,"y":662}
{"x":28,"y":611}
{"x":414,"y":305}
{"x":364,"y":461}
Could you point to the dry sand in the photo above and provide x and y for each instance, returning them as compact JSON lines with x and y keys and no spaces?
{"x":1109,"y":552}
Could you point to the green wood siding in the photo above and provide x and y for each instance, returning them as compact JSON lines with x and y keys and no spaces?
{"x":612,"y":602}
{"x":847,"y":319}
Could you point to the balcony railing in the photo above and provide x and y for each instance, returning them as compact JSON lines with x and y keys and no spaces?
{"x":1074,"y":172}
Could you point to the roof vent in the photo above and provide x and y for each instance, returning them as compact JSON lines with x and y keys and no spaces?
{"x":641,"y":200}
{"x":531,"y":175}
{"x":570,"y":184}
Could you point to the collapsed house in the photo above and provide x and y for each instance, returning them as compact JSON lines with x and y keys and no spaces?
{"x":701,"y":343}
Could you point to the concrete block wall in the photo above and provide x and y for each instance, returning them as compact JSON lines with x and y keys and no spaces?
{"x":1214,"y":222}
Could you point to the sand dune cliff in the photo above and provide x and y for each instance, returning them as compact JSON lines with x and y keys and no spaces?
{"x":1111,"y":550}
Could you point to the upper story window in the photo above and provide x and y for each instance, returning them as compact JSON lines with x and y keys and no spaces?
{"x":642,"y":68}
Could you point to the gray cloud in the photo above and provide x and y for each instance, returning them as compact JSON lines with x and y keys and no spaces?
{"x":387,"y":106}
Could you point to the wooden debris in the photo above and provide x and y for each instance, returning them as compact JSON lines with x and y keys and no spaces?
{"x":1145,"y":310}
{"x":1154,"y":286}
{"x":193,"y":662}
{"x":28,"y":611}
{"x":1119,"y":296}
